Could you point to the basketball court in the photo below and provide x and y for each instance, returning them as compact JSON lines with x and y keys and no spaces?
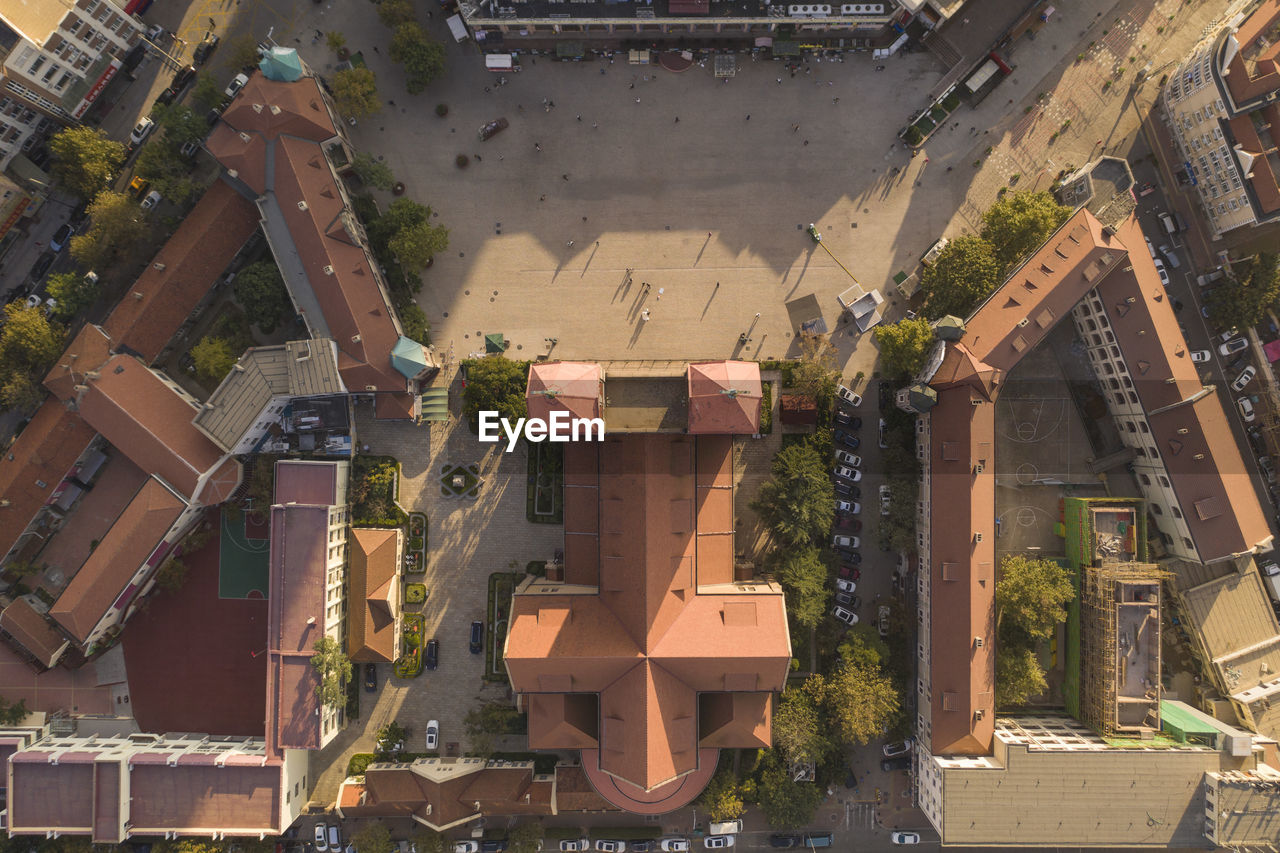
{"x":244,"y":545}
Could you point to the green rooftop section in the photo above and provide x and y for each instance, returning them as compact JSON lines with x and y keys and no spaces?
{"x":1186,"y":725}
{"x":1159,"y":740}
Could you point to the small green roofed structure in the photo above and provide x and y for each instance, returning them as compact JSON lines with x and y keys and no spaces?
{"x":495,"y":342}
{"x":917,"y":397}
{"x":281,"y":64}
{"x":435,"y":404}
{"x":409,"y":357}
{"x":949,"y":328}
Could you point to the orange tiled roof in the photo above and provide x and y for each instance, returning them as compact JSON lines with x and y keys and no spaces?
{"x":32,"y":630}
{"x":374,"y":581}
{"x":575,"y":387}
{"x":724,"y":397}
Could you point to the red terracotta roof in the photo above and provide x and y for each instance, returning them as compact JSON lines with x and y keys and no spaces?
{"x":575,"y":387}
{"x":87,"y":352}
{"x":650,"y":640}
{"x":146,"y":419}
{"x":273,"y":108}
{"x":724,"y":397}
{"x":35,"y":464}
{"x":182,"y":272}
{"x":103,"y":581}
{"x":201,"y":798}
{"x":1252,"y":72}
{"x":374,"y":600}
{"x":304,"y":481}
{"x":32,"y":631}
{"x":1262,"y":177}
{"x":50,"y":796}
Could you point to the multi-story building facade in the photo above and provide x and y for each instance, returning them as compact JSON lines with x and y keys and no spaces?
{"x":1220,"y":105}
{"x":58,"y":56}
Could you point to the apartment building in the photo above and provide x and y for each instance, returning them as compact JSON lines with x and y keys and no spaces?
{"x":1220,"y":105}
{"x":58,"y":56}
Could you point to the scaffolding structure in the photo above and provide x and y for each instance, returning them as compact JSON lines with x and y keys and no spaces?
{"x":1120,"y":647}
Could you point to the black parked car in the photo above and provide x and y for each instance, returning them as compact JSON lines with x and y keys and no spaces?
{"x":370,"y":677}
{"x":433,"y":653}
{"x":477,"y":637}
{"x":847,"y":490}
{"x":847,"y":439}
{"x":890,"y":764}
{"x":205,"y":49}
{"x":493,"y":845}
{"x":168,"y":96}
{"x":848,"y":421}
{"x":184,"y":77}
{"x":41,"y":266}
{"x":785,"y":842}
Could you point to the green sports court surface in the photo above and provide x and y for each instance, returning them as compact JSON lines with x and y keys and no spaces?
{"x":242,"y":557}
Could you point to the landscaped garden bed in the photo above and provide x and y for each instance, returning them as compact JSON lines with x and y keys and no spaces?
{"x":409,"y":664}
{"x":375,"y":485}
{"x":416,"y":561}
{"x":544,"y":501}
{"x":415,"y":593}
{"x":501,"y":585}
{"x":460,"y":481}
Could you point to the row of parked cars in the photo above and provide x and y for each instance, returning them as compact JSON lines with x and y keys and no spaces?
{"x":668,"y":844}
{"x":847,"y":470}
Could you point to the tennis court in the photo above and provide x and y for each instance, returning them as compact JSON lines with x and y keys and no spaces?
{"x":243,"y":556}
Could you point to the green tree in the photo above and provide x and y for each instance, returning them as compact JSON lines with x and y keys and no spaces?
{"x":429,"y":841}
{"x":860,"y":701}
{"x":495,"y":383}
{"x":1243,"y":299}
{"x":421,"y":56}
{"x":206,"y":92}
{"x":965,"y":274}
{"x":799,"y":731}
{"x":393,"y":13}
{"x":1018,"y":676}
{"x":416,"y":245}
{"x":85,"y":159}
{"x":722,"y":798}
{"x":72,"y":291}
{"x":334,"y":669}
{"x":786,"y":804}
{"x":816,"y":373}
{"x":355,"y":92}
{"x":335,"y":40}
{"x":182,"y":845}
{"x":1033,"y":594}
{"x":803,"y":576}
{"x":180,"y":123}
{"x":261,"y":291}
{"x":28,"y":340}
{"x":19,"y":391}
{"x":904,"y":346}
{"x":489,"y":721}
{"x":161,"y":163}
{"x":172,"y":575}
{"x":116,"y":227}
{"x":1019,"y":223}
{"x":401,"y":214}
{"x":213,"y":358}
{"x":390,"y":735}
{"x":372,"y":171}
{"x":415,"y":325}
{"x":526,"y":837}
{"x":861,"y":646}
{"x":243,"y":52}
{"x":373,"y":837}
{"x":796,"y":502}
{"x":12,"y":713}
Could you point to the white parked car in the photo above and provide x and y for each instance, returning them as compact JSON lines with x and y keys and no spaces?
{"x":846,"y":541}
{"x":1163,"y":273}
{"x":893,"y":750}
{"x":467,"y":846}
{"x":1246,"y":409}
{"x":1245,"y":377}
{"x":609,"y":845}
{"x":885,"y":495}
{"x":847,"y":395}
{"x":845,"y":506}
{"x":142,"y":130}
{"x":1233,"y":346}
{"x":882,"y":622}
{"x":848,"y":473}
{"x":236,"y":85}
{"x":854,"y":508}
{"x":322,"y":842}
{"x":335,"y":838}
{"x":433,"y":735}
{"x":849,"y":458}
{"x":575,"y":845}
{"x":674,"y":845}
{"x":152,"y":199}
{"x":1170,"y":256}
{"x":905,"y":837}
{"x":846,"y":586}
{"x":1200,"y":356}
{"x":848,"y":617}
{"x":717,"y":842}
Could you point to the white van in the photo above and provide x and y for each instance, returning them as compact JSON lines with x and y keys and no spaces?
{"x":728,"y":827}
{"x":1271,"y":579}
{"x":1169,"y":225}
{"x":500,"y":62}
{"x":458,"y":28}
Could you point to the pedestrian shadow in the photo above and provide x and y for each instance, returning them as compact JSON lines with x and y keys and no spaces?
{"x":623,"y":288}
{"x":710,"y":299}
{"x":640,"y":323}
{"x":702,"y":251}
{"x":637,"y":304}
{"x":594,"y":249}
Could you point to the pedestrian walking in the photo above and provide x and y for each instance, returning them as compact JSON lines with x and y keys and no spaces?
{"x":748,"y":118}
{"x":391,"y":103}
{"x":500,"y":157}
{"x":644,"y":315}
{"x":595,"y":126}
{"x":579,"y":116}
{"x":806,"y":142}
{"x":584,"y":219}
{"x":835,"y":101}
{"x":375,"y":50}
{"x":677,"y":121}
{"x":926,"y":161}
{"x":542,"y":197}
{"x":565,"y":176}
{"x":570,"y":243}
{"x":717,"y":286}
{"x":708,"y":235}
{"x":537,"y":146}
{"x":633,"y":85}
{"x":478,"y":158}
{"x":637,"y":100}
{"x":794,"y":128}
{"x":486,"y":90}
{"x":779,"y":81}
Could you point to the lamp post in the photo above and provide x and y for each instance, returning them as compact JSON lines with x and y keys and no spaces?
{"x":745,"y":337}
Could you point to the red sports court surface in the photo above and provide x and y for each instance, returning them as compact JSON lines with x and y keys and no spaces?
{"x":195,"y":660}
{"x":55,"y":690}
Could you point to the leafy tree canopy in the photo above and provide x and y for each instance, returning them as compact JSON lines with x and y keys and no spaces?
{"x":116,"y":227}
{"x":803,"y":576}
{"x":786,"y":804}
{"x":1019,"y":223}
{"x":161,"y":163}
{"x":1033,"y":594}
{"x":372,"y":837}
{"x":416,"y":245}
{"x":415,"y":324}
{"x":73,"y":292}
{"x":206,"y":92}
{"x":860,"y":701}
{"x":797,"y":502}
{"x":180,"y":123}
{"x":526,"y":837}
{"x":817,"y":372}
{"x":722,"y":798}
{"x":1243,"y":300}
{"x":799,"y":731}
{"x":964,"y":274}
{"x":495,"y":383}
{"x":421,"y":56}
{"x":393,"y":13}
{"x":1019,"y":677}
{"x":28,"y":340}
{"x":372,"y":171}
{"x":213,"y":358}
{"x":261,"y":291}
{"x":904,"y":346}
{"x":19,"y":391}
{"x":85,"y":159}
{"x":334,"y":669}
{"x":355,"y":92}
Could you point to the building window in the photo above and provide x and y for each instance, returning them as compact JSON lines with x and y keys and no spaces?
{"x":1188,"y":542}
{"x":1146,"y":481}
{"x":1164,"y":481}
{"x":1155,"y":508}
{"x":1177,"y":513}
